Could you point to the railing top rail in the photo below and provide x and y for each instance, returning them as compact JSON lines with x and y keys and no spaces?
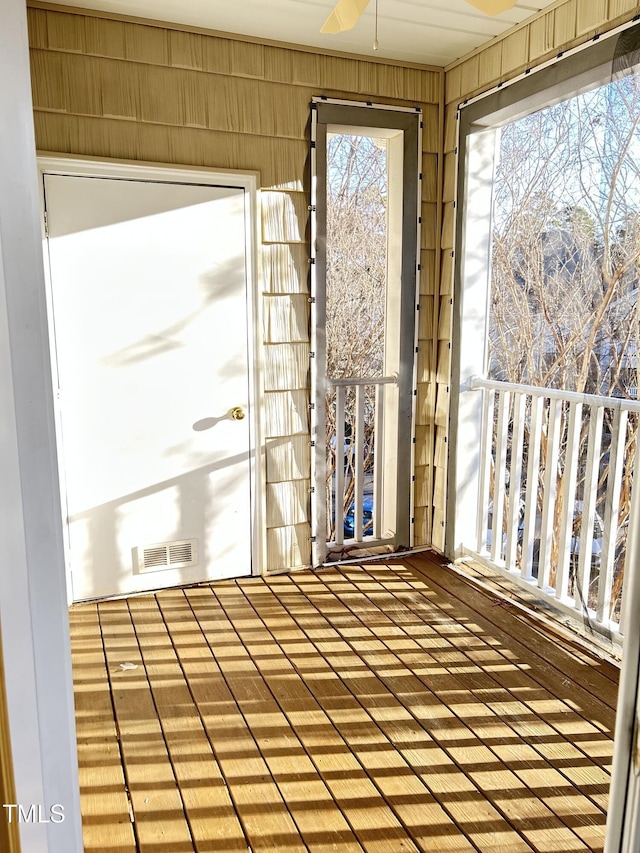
{"x":477,"y":382}
{"x":363,"y":380}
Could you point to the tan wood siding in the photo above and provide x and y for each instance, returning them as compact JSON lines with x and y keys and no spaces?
{"x":105,"y":86}
{"x":563,"y":26}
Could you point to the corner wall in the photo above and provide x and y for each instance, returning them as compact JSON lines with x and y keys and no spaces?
{"x":107,"y":86}
{"x":564,"y":25}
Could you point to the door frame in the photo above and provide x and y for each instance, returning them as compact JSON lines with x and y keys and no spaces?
{"x":60,"y":164}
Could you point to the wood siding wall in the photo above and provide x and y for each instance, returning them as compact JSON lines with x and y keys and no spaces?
{"x":105,"y":86}
{"x":563,"y":26}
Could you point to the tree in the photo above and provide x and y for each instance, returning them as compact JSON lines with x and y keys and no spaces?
{"x":566,"y":251}
{"x":355,"y":290}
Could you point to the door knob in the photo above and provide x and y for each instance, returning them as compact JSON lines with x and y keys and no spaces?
{"x":237,"y":413}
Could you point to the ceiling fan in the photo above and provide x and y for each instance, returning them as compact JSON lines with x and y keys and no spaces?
{"x":347,"y":13}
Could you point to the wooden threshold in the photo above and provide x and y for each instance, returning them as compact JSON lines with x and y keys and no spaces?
{"x":389,"y":706}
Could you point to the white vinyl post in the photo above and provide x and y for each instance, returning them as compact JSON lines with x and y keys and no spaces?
{"x":623,"y":816}
{"x":549,"y":494}
{"x":515,"y":479}
{"x":472,"y":305}
{"x":610,"y":520}
{"x":339,"y":476}
{"x":568,"y":500}
{"x":499,"y":491}
{"x":33,"y":601}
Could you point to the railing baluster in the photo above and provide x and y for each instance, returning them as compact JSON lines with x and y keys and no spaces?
{"x":530,"y":509}
{"x":549,"y":493}
{"x":484,"y":475}
{"x":515,"y":479}
{"x":351,"y":407}
{"x":568,"y":500}
{"x":502,"y":432}
{"x":583,"y":577}
{"x":610,"y":520}
{"x":632,"y":533}
{"x":339,"y":478}
{"x":378,"y":444}
{"x":358,"y":449}
{"x":582,"y":492}
{"x":623,"y":609}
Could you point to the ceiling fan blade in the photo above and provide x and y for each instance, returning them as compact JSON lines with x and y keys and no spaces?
{"x":492,"y":7}
{"x":345,"y":15}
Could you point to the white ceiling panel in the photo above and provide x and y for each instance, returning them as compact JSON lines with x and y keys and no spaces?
{"x":433,"y":32}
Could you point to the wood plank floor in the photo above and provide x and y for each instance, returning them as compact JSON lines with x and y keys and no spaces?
{"x":382,"y":707}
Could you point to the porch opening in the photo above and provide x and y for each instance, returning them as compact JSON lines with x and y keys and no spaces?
{"x":365,"y":223}
{"x":548,"y":286}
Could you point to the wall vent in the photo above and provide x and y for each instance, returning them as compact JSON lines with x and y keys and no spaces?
{"x":165,"y":555}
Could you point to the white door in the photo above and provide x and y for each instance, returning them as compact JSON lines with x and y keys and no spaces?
{"x":149,"y":304}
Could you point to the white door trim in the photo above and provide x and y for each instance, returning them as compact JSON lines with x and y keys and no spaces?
{"x":53,"y":164}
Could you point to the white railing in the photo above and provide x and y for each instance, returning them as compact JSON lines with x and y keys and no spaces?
{"x":355,"y":475}
{"x":554,"y":481}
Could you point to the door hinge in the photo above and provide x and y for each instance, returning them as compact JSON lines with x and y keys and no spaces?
{"x":46,"y":224}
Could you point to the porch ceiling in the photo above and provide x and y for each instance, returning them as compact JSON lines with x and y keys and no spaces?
{"x":380,"y":707}
{"x":432,"y":32}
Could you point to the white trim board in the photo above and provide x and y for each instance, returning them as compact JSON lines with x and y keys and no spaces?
{"x":33,"y":611}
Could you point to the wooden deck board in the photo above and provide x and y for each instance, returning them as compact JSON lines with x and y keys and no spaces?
{"x":571,"y":715}
{"x":383,"y":707}
{"x":321,"y":825}
{"x":389,"y":722}
{"x":105,"y":803}
{"x":596,"y":675}
{"x":573,"y":706}
{"x":159,"y":818}
{"x":503,"y":683}
{"x":266,"y":819}
{"x":498,"y":738}
{"x":371,"y":820}
{"x":203,"y":792}
{"x":383,"y":771}
{"x":452,"y":730}
{"x":565,"y":630}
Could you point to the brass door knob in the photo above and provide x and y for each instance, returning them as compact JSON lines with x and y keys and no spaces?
{"x":237,"y":413}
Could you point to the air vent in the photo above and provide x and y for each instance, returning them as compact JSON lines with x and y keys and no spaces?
{"x":165,"y":555}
